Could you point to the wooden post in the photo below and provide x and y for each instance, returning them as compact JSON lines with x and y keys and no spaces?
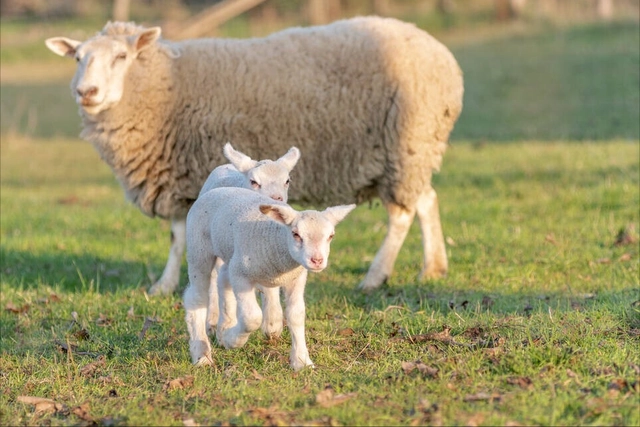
{"x":212,"y":17}
{"x":121,"y":10}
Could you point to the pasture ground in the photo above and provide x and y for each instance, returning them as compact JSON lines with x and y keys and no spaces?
{"x":538,"y":321}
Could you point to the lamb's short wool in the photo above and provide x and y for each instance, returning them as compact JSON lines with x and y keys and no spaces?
{"x":262,"y":243}
{"x":370,"y":101}
{"x":267,"y":177}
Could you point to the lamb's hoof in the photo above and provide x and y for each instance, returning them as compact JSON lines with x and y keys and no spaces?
{"x":205,"y":360}
{"x":297,"y":367}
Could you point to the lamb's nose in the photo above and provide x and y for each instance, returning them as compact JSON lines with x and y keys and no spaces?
{"x":88,"y":92}
{"x":317,"y":260}
{"x":278,"y":198}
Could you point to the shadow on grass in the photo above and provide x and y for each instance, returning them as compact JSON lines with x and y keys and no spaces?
{"x":71,"y":272}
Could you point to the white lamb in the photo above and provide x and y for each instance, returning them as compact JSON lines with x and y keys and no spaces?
{"x":370,"y":101}
{"x":263,"y":243}
{"x":267,"y":177}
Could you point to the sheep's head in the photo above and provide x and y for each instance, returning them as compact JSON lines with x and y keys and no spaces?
{"x":311,"y":232}
{"x":103,"y":62}
{"x":267,"y":177}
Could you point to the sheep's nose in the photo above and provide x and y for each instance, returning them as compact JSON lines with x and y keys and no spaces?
{"x":317,"y":260}
{"x":88,"y":92}
{"x":278,"y":198}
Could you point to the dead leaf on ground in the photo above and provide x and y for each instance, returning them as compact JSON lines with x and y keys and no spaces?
{"x":625,"y":257}
{"x":90,"y":369}
{"x":483,"y":396}
{"x":324,"y":421}
{"x":103,"y":320}
{"x":189,"y":422}
{"x":11,"y":307}
{"x":148,"y":321}
{"x":408,"y":367}
{"x":272,"y":416}
{"x":178,"y":383}
{"x":82,"y":412}
{"x":130,"y":314}
{"x":523,"y":382}
{"x":327,"y":397}
{"x":551,"y":238}
{"x":475,"y":420}
{"x":42,"y":404}
{"x":346,"y":332}
{"x":256,"y":375}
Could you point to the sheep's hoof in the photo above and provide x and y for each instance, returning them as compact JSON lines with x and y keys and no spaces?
{"x":433,"y":274}
{"x":204,"y":361}
{"x":371,"y":283}
{"x":160,"y":289}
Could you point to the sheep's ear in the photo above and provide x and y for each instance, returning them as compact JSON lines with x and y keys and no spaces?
{"x":337,"y":213}
{"x":279,"y":213}
{"x":62,"y":46}
{"x":240,"y":161}
{"x":145,"y":39}
{"x":289,"y":160}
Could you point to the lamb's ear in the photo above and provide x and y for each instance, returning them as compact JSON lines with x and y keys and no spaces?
{"x":289,"y":160}
{"x":145,"y":39}
{"x":62,"y":46}
{"x":240,"y":161}
{"x":279,"y":213}
{"x":337,"y":213}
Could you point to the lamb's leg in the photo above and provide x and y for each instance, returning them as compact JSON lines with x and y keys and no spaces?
{"x":171,"y":275}
{"x":400,"y":220}
{"x":213,"y":311}
{"x":435,"y":253}
{"x":227,"y":316}
{"x":196,"y":301}
{"x":295,"y":312}
{"x":249,"y":314}
{"x":271,"y":312}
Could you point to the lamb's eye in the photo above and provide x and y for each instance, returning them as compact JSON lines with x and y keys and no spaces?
{"x":330,"y":238}
{"x":255,"y":184}
{"x":287,"y":183}
{"x":122,"y":55}
{"x":77,"y":58}
{"x":296,"y":236}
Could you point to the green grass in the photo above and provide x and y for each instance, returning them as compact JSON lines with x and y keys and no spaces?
{"x":545,"y":315}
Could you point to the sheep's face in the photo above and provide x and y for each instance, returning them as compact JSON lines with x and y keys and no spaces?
{"x":103,"y":63}
{"x":310,"y":232}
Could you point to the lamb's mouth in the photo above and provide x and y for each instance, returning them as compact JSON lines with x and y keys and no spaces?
{"x":88,"y":104}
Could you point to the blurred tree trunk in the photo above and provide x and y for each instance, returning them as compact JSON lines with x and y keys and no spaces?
{"x":323,"y":11}
{"x":121,"y":10}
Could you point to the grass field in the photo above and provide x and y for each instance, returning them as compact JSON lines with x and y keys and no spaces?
{"x":538,"y":321}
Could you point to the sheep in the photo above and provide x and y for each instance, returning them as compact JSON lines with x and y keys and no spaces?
{"x":371,"y":100}
{"x":266,"y":177}
{"x":262,"y":243}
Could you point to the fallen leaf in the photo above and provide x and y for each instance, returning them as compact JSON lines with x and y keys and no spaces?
{"x":327,"y":397}
{"x":82,"y":412}
{"x":82,"y":334}
{"x":256,"y":375}
{"x":148,"y":321}
{"x":324,"y":421}
{"x":345,"y":332}
{"x":550,"y":238}
{"x":103,"y":320}
{"x":450,"y":241}
{"x":90,"y":369}
{"x":178,"y":383}
{"x":189,"y":422}
{"x":42,"y":404}
{"x":625,"y":237}
{"x":130,"y":314}
{"x":17,"y":310}
{"x":272,"y":416}
{"x":408,"y":367}
{"x":625,"y":257}
{"x":522,"y":382}
{"x":475,"y":420}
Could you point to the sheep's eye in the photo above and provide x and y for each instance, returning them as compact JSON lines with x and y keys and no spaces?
{"x":330,"y":238}
{"x":77,"y":58}
{"x":255,"y":184}
{"x":122,"y":55}
{"x":296,"y":236}
{"x":287,"y":183}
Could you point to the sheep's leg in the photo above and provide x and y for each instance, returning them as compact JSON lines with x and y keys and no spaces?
{"x":271,"y":312}
{"x":196,"y":301}
{"x":213,"y":311}
{"x":295,"y":312}
{"x":435,"y":253}
{"x":227,"y":316}
{"x":249,"y":314}
{"x":400,"y":220}
{"x":171,"y":275}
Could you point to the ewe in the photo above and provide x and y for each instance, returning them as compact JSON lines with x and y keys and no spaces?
{"x":268,"y":178}
{"x":370,"y":101}
{"x":264,"y":244}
